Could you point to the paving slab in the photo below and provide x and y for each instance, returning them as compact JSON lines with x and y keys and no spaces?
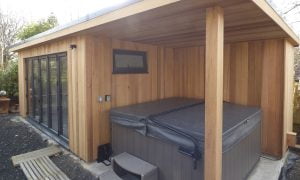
{"x":267,"y":168}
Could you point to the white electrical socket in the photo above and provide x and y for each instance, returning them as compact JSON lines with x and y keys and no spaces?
{"x":100,"y":99}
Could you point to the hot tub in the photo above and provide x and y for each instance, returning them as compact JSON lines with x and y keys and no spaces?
{"x":169,"y":133}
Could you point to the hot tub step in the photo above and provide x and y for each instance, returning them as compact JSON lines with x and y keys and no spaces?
{"x":130,"y":167}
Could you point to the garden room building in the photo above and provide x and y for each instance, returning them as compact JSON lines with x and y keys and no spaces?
{"x":166,"y":66}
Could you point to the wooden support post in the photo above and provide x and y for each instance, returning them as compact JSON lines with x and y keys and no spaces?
{"x":214,"y":93}
{"x":291,"y":139}
{"x":22,"y":85}
{"x":288,"y":93}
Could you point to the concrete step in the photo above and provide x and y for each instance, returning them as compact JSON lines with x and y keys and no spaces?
{"x":128,"y":167}
{"x":109,"y":175}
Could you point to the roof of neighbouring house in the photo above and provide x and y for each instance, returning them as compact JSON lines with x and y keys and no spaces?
{"x":148,"y":21}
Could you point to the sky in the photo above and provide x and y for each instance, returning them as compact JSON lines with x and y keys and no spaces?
{"x":64,"y":10}
{"x":69,"y":10}
{"x":292,"y":17}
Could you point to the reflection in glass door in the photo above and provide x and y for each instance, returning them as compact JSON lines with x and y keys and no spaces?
{"x":44,"y":90}
{"x":53,"y":92}
{"x":29,"y":92}
{"x":63,"y":95}
{"x":36,"y":91}
{"x":47,"y":92}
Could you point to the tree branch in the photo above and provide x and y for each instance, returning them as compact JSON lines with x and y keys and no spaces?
{"x":292,"y":8}
{"x":9,"y":27}
{"x":294,"y":22}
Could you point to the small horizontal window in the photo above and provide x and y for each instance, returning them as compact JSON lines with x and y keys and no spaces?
{"x":125,"y":62}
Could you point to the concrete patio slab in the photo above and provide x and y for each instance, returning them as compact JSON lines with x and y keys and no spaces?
{"x":267,"y":168}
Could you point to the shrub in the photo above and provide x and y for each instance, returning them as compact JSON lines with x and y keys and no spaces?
{"x":9,"y":78}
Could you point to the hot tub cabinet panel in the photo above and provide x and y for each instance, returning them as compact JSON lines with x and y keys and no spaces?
{"x":173,"y":165}
{"x":173,"y":136}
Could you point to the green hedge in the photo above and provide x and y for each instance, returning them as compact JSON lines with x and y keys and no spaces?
{"x":9,"y":78}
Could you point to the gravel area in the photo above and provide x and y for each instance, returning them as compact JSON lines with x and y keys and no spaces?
{"x":16,"y":137}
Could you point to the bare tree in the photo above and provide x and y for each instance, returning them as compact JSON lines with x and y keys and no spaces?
{"x":9,"y":28}
{"x":292,"y":7}
{"x":289,"y":10}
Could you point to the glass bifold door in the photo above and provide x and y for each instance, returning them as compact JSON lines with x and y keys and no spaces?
{"x":47,"y":93}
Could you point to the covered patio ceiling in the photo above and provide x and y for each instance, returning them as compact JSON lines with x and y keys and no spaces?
{"x":180,"y":23}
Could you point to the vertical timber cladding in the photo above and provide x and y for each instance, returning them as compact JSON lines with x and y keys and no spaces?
{"x":124,"y":88}
{"x":288,"y":92}
{"x":78,"y":88}
{"x":174,"y":72}
{"x":253,"y":75}
{"x":101,"y":86}
{"x":272,"y":97}
{"x":135,"y":88}
{"x":90,"y":76}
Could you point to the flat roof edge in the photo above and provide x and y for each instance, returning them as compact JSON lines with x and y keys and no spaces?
{"x":266,"y":7}
{"x":131,"y":8}
{"x":80,"y":20}
{"x":135,"y":7}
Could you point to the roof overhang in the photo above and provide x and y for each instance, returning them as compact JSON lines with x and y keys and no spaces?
{"x":178,"y":23}
{"x":264,"y":6}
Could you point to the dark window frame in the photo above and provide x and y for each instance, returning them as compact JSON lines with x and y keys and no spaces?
{"x":48,"y":127}
{"x":143,"y":54}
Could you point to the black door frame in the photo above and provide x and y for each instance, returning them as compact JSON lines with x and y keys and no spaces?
{"x":57,"y":135}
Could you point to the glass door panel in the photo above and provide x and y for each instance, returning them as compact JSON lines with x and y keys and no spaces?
{"x":53,"y":92}
{"x":44,"y":92}
{"x":29,"y":88}
{"x":36,"y":91}
{"x":64,"y":94}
